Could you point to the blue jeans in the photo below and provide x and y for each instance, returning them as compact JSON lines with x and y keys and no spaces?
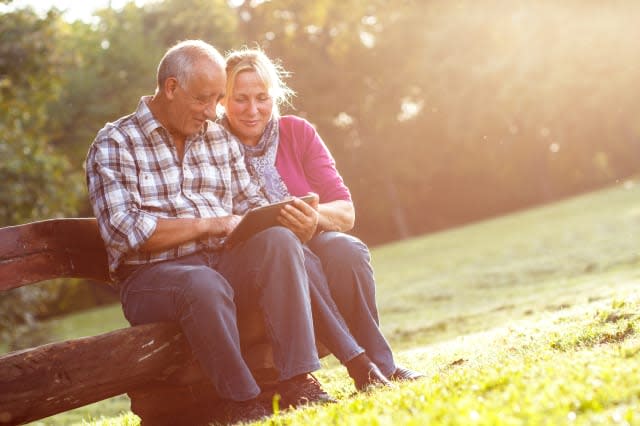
{"x":344,"y":299}
{"x":330,"y":328}
{"x":202,"y":293}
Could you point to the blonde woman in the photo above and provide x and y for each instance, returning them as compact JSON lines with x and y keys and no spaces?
{"x":287,"y":157}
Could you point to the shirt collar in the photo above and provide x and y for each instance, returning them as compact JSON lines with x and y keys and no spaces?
{"x":148,"y":123}
{"x":201,"y":132}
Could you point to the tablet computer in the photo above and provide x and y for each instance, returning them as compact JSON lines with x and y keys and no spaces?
{"x":259,"y":219}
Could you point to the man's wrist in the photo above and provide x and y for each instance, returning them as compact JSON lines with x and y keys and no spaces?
{"x":216,"y":226}
{"x":203,"y":227}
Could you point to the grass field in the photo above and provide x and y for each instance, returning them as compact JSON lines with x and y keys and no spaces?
{"x":531,"y":318}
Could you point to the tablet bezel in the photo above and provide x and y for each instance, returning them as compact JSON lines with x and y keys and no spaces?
{"x":259,"y":219}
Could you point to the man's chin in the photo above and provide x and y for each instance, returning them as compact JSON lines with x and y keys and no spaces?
{"x":197,"y":127}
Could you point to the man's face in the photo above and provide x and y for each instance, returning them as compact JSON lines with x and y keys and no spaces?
{"x":195,"y":101}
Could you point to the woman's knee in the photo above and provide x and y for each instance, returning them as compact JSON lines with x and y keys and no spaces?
{"x":338,"y":246}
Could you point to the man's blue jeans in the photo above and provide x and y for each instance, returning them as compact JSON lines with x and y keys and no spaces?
{"x":343,"y":295}
{"x":205,"y":292}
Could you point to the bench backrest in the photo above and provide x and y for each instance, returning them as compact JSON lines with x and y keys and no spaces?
{"x":46,"y":380}
{"x":56,"y":248}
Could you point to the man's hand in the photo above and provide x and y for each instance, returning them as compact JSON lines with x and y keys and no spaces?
{"x":171,"y":232}
{"x":222,"y":226}
{"x":301,"y":218}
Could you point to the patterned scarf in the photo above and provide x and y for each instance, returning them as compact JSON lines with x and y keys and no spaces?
{"x":261,"y":161}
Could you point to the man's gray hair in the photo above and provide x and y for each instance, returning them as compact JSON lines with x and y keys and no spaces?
{"x":180,"y":60}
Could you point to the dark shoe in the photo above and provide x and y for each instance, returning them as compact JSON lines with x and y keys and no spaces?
{"x":304,"y":389}
{"x":246,"y":411}
{"x":405,"y":375}
{"x":365,"y":374}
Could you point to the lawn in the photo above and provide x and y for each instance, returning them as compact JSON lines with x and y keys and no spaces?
{"x":530,"y":318}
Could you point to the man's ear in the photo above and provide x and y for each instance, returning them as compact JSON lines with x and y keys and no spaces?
{"x":170,"y":86}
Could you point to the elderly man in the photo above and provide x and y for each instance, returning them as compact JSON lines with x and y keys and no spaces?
{"x":166,"y":186}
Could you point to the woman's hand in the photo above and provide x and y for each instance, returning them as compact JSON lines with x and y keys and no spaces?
{"x":301,"y":218}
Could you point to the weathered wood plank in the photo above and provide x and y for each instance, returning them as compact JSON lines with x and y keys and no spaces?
{"x":52,"y":234}
{"x":50,"y":379}
{"x":55,"y":248}
{"x":33,"y":267}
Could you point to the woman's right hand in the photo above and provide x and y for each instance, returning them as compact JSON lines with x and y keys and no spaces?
{"x":301,"y":218}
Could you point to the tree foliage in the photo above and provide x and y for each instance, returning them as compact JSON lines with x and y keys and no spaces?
{"x":440,"y":112}
{"x":38,"y":181}
{"x":111,"y":64}
{"x":437,"y":113}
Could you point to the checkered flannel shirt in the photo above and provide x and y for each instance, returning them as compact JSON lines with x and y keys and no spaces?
{"x":134,"y":177}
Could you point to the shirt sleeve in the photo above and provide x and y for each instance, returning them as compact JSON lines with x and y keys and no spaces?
{"x":112,"y":182}
{"x":320,"y":168}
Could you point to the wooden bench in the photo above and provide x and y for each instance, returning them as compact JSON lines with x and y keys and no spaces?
{"x":151,"y":363}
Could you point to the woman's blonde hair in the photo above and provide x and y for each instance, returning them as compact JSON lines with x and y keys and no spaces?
{"x":272,"y":74}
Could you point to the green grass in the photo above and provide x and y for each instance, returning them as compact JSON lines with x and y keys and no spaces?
{"x":510,"y":375}
{"x":530,"y":318}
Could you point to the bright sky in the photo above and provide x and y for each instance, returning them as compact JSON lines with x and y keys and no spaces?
{"x":83,"y":9}
{"x":74,"y":9}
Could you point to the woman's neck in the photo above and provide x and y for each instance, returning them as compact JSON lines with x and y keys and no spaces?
{"x":250,"y":141}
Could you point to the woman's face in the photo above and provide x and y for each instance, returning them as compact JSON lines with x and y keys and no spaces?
{"x":249,"y":107}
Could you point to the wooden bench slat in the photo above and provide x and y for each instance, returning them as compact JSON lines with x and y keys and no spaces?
{"x":32,"y":268}
{"x":48,"y":249}
{"x":51,"y":234}
{"x":49,"y":379}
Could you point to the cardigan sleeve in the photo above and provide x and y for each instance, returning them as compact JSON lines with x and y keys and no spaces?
{"x":312,"y":155}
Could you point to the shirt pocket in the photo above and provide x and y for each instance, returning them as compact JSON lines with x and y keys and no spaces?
{"x":148,"y":186}
{"x":157,"y":189}
{"x":209,"y":179}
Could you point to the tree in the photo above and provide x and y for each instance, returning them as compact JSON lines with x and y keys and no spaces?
{"x":38,"y":181}
{"x":439,"y":113}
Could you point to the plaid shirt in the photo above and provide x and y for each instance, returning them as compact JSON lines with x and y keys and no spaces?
{"x":134,"y":177}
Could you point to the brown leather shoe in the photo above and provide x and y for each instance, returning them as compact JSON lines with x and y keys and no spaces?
{"x":405,"y":375}
{"x":365,"y":374}
{"x":300,"y":390}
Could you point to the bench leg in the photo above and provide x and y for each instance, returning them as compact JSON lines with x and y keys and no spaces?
{"x":169,"y":405}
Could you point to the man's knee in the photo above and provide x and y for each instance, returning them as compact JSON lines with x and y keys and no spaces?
{"x":203,"y":284}
{"x":279,"y":239}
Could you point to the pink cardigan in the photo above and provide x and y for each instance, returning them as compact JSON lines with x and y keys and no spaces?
{"x":305,"y":163}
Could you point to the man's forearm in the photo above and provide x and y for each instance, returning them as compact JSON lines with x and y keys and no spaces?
{"x":172,"y":232}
